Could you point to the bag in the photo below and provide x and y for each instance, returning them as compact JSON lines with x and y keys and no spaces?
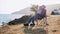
{"x":55,"y":13}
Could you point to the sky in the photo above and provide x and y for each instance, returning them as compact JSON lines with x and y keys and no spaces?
{"x":10,"y":6}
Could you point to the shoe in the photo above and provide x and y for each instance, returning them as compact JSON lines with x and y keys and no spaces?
{"x":32,"y":25}
{"x":47,"y":24}
{"x":26,"y":24}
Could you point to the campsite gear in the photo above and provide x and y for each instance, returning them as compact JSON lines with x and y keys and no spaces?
{"x":32,"y":18}
{"x":55,"y":13}
{"x":40,"y":14}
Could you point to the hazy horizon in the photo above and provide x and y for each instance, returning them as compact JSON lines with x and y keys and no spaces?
{"x":10,"y":6}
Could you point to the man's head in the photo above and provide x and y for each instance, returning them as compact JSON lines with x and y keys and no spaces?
{"x":42,"y":7}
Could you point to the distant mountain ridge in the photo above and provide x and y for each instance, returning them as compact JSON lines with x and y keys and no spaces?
{"x":24,"y":11}
{"x":28,"y":11}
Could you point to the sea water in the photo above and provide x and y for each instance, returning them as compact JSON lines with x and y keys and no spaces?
{"x":9,"y":17}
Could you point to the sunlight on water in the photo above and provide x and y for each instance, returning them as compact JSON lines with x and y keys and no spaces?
{"x":8,"y":17}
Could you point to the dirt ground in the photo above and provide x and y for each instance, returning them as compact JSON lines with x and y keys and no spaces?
{"x":52,"y":28}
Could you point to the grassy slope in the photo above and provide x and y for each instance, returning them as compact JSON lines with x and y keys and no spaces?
{"x":53,"y":21}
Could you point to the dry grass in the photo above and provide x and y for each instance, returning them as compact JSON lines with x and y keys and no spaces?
{"x":58,"y":21}
{"x":53,"y":28}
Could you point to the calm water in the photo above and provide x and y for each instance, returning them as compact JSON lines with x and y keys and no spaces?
{"x":8,"y":17}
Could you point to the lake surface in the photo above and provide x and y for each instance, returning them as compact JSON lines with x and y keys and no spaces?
{"x":9,"y":17}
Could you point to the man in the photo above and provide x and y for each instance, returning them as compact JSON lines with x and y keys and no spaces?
{"x":39,"y":14}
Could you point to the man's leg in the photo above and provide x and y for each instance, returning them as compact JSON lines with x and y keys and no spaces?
{"x":29,"y":20}
{"x":32,"y":21}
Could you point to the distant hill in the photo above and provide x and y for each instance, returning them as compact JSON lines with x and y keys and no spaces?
{"x":24,"y":11}
{"x":48,"y":7}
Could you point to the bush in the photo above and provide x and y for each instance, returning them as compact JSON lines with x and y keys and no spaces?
{"x":19,"y":21}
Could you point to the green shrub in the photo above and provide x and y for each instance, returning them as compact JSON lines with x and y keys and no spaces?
{"x":18,"y":21}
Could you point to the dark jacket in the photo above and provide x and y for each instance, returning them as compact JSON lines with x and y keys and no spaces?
{"x":42,"y":14}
